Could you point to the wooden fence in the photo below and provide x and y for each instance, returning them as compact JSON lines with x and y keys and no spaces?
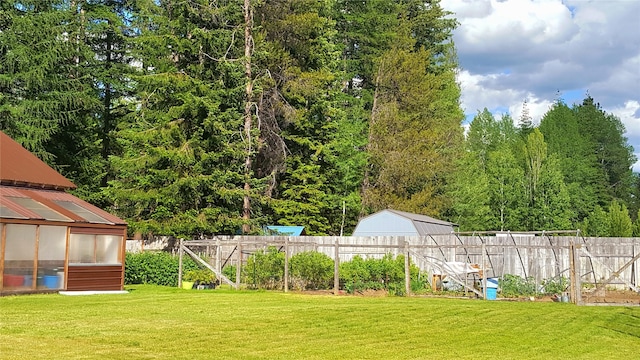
{"x":590,"y":264}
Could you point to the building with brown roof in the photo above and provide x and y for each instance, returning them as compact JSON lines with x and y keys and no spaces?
{"x":51,"y":240}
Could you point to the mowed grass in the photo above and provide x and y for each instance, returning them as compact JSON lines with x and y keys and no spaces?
{"x":164,"y":323}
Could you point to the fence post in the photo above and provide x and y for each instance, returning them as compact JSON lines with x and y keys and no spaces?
{"x":180,"y":252}
{"x":407,"y":269}
{"x":218,"y":255}
{"x":286,"y":264}
{"x":484,"y":272}
{"x":239,"y":266}
{"x":578,"y":281}
{"x":336,"y":269}
{"x":572,"y":271}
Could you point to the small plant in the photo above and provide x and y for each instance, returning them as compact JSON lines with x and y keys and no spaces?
{"x":397,"y":289}
{"x":556,"y":285}
{"x":516,"y":286}
{"x":200,"y":276}
{"x":229,"y":271}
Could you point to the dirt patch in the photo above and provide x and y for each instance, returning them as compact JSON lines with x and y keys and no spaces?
{"x":367,"y":293}
{"x":603,"y":297}
{"x":372,"y":293}
{"x":612,"y":297}
{"x":316,"y":292}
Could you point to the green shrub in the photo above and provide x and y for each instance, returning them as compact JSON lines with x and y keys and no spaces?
{"x":515,"y":286}
{"x":265,"y":270}
{"x":354,"y":271}
{"x":158,"y":268}
{"x":396,"y":289}
{"x":312,"y":270}
{"x":387,"y":270}
{"x":556,"y":285}
{"x":230,"y":272}
{"x":376,"y":274}
{"x":201,"y":276}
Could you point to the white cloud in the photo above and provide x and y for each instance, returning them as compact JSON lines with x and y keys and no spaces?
{"x":629,"y":114}
{"x":478,"y":96}
{"x":512,"y":50}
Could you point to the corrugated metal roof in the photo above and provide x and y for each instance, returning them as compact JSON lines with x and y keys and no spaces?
{"x":421,"y":218}
{"x":285,"y":230}
{"x":421,"y":225}
{"x":20,"y":167}
{"x":52,"y":205}
{"x":425,"y":228}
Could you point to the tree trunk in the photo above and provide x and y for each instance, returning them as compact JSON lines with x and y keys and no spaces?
{"x":366,"y":181}
{"x":248,"y":45}
{"x":106,"y":115}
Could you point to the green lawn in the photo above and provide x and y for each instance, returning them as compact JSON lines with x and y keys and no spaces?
{"x":164,"y":323}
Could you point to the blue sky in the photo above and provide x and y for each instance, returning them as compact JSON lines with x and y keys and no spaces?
{"x":516,"y":50}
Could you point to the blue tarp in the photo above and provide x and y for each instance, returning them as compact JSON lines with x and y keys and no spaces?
{"x":284,"y":230}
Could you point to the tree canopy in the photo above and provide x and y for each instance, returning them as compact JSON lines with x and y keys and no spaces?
{"x":191,"y":118}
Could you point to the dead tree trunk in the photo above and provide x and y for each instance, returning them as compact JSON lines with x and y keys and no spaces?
{"x":248,"y":46}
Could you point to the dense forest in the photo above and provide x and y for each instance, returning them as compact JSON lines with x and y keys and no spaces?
{"x":196,"y":117}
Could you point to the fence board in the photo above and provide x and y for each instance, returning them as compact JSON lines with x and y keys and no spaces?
{"x":526,"y":255}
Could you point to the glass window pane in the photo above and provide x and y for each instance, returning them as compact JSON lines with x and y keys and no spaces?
{"x":51,"y":250}
{"x":81,"y":249}
{"x":38,"y":208}
{"x":20,"y":251}
{"x":82,"y":212}
{"x":52,"y":243}
{"x":5,"y":212}
{"x":108,"y":249}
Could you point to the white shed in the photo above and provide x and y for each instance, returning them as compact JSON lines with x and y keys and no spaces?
{"x":399,"y":223}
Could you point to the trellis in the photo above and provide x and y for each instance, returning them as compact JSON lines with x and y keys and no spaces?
{"x":600,"y":263}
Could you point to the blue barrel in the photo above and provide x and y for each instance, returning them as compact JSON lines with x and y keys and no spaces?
{"x":492,"y":293}
{"x":51,"y":281}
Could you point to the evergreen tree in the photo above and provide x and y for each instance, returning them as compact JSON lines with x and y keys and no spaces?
{"x":181,"y":169}
{"x":299,"y":114}
{"x":597,"y":223}
{"x":525,"y":123}
{"x":577,"y":161}
{"x":470,"y":193}
{"x":415,"y":135}
{"x":45,"y":90}
{"x":605,"y":134}
{"x":620,"y":224}
{"x":636,"y":226}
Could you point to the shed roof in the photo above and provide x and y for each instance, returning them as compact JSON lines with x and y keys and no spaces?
{"x":20,"y":167}
{"x":285,"y":230}
{"x":421,"y":218}
{"x":383,"y":223}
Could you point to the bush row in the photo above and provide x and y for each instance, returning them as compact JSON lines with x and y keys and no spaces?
{"x":158,"y":268}
{"x":313,"y":271}
{"x":265,"y":270}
